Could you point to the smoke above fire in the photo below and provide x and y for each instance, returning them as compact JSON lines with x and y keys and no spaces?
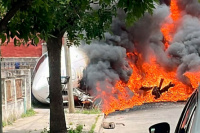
{"x":164,"y":45}
{"x":107,"y":62}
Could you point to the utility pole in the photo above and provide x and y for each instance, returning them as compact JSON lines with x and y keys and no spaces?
{"x":69,"y":73}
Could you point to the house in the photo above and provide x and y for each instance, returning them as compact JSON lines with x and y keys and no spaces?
{"x":16,"y":81}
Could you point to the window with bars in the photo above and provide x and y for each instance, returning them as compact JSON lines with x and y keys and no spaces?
{"x":8,"y":91}
{"x":18,"y":84}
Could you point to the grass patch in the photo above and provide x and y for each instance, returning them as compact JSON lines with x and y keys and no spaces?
{"x":94,"y":125}
{"x":4,"y":124}
{"x":29,"y":113}
{"x":78,"y":129}
{"x":45,"y":130}
{"x":10,"y":120}
{"x":89,"y":111}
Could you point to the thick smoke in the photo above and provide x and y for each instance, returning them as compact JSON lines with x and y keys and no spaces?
{"x":108,"y":59}
{"x":191,"y":7}
{"x":108,"y":64}
{"x":147,"y":36}
{"x":184,"y":50}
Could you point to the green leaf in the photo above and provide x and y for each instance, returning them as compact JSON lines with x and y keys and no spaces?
{"x":3,"y":38}
{"x":68,"y":1}
{"x":80,"y":36}
{"x":36,"y":40}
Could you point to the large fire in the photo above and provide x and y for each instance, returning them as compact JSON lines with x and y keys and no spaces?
{"x":148,"y":75}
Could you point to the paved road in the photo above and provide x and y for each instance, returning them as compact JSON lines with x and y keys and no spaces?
{"x":139,"y":119}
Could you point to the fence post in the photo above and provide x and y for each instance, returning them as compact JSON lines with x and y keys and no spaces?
{"x":25,"y":101}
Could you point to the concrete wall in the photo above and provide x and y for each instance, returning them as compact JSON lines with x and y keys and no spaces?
{"x":16,"y":93}
{"x":25,"y":63}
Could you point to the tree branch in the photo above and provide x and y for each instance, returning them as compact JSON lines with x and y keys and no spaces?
{"x":15,"y":7}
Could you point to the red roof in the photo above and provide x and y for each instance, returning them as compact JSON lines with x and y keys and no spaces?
{"x":21,"y":51}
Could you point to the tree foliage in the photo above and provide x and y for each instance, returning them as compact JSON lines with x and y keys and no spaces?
{"x":37,"y":18}
{"x":15,"y":22}
{"x":135,"y":8}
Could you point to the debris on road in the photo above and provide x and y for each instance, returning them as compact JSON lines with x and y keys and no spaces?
{"x":157,"y":90}
{"x":120,"y":124}
{"x":108,"y":125}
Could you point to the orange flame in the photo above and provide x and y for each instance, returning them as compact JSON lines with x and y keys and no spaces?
{"x":168,"y":29}
{"x":127,"y":95}
{"x":194,"y":78}
{"x":175,"y":11}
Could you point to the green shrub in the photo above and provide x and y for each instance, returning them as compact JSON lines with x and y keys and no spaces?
{"x":78,"y":129}
{"x":4,"y":124}
{"x":28,"y":113}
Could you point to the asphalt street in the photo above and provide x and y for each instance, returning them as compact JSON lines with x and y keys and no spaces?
{"x":139,"y":119}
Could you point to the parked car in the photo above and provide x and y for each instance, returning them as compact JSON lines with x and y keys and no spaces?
{"x":189,"y":121}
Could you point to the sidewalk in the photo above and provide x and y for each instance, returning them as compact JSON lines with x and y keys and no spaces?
{"x":40,"y":121}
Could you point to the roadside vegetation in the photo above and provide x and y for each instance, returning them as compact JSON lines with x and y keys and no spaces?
{"x":78,"y":129}
{"x":45,"y":130}
{"x":94,"y":125}
{"x":88,"y":111}
{"x":9,"y":121}
{"x":28,"y":113}
{"x":3,"y":123}
{"x":13,"y":117}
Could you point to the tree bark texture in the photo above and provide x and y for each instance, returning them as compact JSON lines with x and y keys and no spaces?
{"x":57,"y":116}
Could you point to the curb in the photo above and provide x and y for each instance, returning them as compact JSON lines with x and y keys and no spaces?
{"x":99,"y":123}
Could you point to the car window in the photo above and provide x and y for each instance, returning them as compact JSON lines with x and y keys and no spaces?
{"x":187,"y":114}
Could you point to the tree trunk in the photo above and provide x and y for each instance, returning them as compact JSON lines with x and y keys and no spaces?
{"x":57,"y":116}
